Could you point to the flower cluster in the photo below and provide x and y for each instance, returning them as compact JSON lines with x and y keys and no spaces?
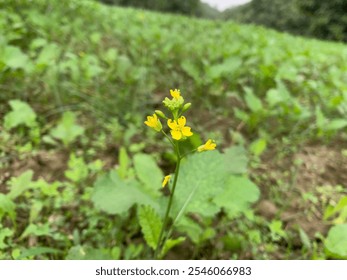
{"x":177,"y":124}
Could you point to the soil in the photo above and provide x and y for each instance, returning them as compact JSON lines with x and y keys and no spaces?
{"x":302,"y":172}
{"x":49,"y":165}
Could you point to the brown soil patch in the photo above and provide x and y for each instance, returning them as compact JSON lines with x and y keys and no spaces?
{"x":296,"y":175}
{"x":49,"y":165}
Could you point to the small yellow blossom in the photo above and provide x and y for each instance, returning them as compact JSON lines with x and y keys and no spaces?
{"x":166,"y":180}
{"x":208,"y":146}
{"x":154,"y":122}
{"x":178,"y":128}
{"x":175,"y":93}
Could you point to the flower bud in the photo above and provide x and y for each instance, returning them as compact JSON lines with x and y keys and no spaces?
{"x":186,"y":107}
{"x":160,"y":114}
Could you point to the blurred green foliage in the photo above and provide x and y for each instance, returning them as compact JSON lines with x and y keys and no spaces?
{"x":187,"y":7}
{"x":314,"y":18}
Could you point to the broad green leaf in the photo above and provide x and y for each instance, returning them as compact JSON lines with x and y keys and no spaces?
{"x":149,"y":173}
{"x":14,"y":58}
{"x":258,"y":146}
{"x":336,"y":241}
{"x":7,"y":206}
{"x":237,"y":196}
{"x":49,"y":54}
{"x":151,"y":225}
{"x":19,"y":185}
{"x":37,"y":251}
{"x":21,"y":114}
{"x":4,"y":232}
{"x":36,"y":230}
{"x":115,"y":196}
{"x":252,"y":101}
{"x":278,"y":95}
{"x":170,"y":243}
{"x":336,"y":124}
{"x":192,"y":70}
{"x":67,"y":129}
{"x":226,"y":68}
{"x":202,"y":176}
{"x":190,"y":228}
{"x":236,"y":160}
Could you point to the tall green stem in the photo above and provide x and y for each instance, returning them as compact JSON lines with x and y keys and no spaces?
{"x":166,"y":218}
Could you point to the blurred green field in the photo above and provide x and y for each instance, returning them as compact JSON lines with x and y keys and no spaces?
{"x":79,"y":170}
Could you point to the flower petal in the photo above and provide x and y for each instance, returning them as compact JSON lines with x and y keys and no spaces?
{"x":175,"y":93}
{"x":166,"y":180}
{"x":186,"y":131}
{"x":182,"y":121}
{"x":176,"y":134}
{"x":172,"y":124}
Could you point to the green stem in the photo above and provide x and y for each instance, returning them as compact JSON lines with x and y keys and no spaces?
{"x":166,"y":218}
{"x":172,"y":143}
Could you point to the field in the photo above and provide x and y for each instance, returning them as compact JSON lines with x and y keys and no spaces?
{"x":81,"y":174}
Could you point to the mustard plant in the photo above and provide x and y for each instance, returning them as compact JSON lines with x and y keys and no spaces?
{"x":179,"y":131}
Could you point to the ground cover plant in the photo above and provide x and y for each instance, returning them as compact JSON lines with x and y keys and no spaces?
{"x":81,"y":175}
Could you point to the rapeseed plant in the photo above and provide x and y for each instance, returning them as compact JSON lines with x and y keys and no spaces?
{"x":179,"y":132}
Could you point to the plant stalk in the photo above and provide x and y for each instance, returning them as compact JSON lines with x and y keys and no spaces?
{"x":166,"y":218}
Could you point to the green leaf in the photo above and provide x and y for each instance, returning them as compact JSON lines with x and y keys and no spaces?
{"x":170,"y":243}
{"x":36,"y":230}
{"x":67,"y":130}
{"x":149,"y":173}
{"x":236,"y":160}
{"x":336,"y":124}
{"x":278,"y":95}
{"x":115,"y":196}
{"x":238,"y":194}
{"x":123,"y":163}
{"x":336,"y":241}
{"x":305,"y":240}
{"x":252,"y":101}
{"x":258,"y":146}
{"x":48,"y":54}
{"x":190,"y":228}
{"x":14,"y":58}
{"x":21,"y":114}
{"x":19,"y":185}
{"x":201,"y":177}
{"x":7,"y":206}
{"x":4,"y":232}
{"x":331,"y":210}
{"x":37,"y":251}
{"x":192,"y":70}
{"x":88,"y":253}
{"x":78,"y":169}
{"x":227,"y":68}
{"x":151,"y":224}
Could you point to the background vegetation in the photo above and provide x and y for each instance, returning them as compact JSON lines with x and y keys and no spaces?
{"x":77,"y":79}
{"x":313,"y":18}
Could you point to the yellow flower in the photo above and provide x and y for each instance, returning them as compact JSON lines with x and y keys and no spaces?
{"x":175,"y":93}
{"x":166,"y":180}
{"x":208,"y":146}
{"x":154,"y":122}
{"x":178,"y":128}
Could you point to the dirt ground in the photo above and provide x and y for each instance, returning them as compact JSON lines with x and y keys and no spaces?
{"x":304,"y":174}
